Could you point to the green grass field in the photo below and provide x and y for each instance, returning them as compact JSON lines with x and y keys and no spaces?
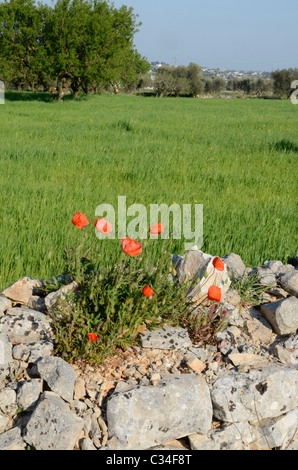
{"x":236,"y":157}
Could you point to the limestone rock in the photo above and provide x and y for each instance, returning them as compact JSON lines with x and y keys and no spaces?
{"x":188,"y":265}
{"x":257,"y":326}
{"x":258,"y":394}
{"x":232,"y":437}
{"x":289,"y":281}
{"x":4,"y":423}
{"x":52,"y":426}
{"x":8,"y":401}
{"x":22,"y":290}
{"x":235,"y":265}
{"x":25,"y":325}
{"x":37,"y":303}
{"x":87,"y":444}
{"x":196,"y":365}
{"x":167,"y":337}
{"x":12,"y":440}
{"x":245,"y":358}
{"x":28,"y":393}
{"x":275,"y":432}
{"x":31,"y":352}
{"x":282,"y":315}
{"x":147,"y":416}
{"x":266,"y":276}
{"x":5,"y":354}
{"x":206,"y":276}
{"x":52,"y":299}
{"x":5,"y":304}
{"x":287,"y":350}
{"x":59,"y":376}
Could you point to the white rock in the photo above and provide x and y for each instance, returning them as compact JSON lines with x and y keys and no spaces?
{"x":24,"y":325}
{"x":28,"y":393}
{"x":235,"y":265}
{"x":12,"y":440}
{"x":59,"y":376}
{"x":147,"y":416}
{"x":266,"y":392}
{"x":52,"y":426}
{"x":206,"y":276}
{"x":276,"y":432}
{"x":5,"y":304}
{"x":5,"y":354}
{"x":282,"y":315}
{"x":8,"y":401}
{"x":289,"y":281}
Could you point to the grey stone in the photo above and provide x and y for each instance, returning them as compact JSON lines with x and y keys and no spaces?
{"x":4,"y":423}
{"x":233,"y":298}
{"x":275,"y":432}
{"x":188,"y":265}
{"x":266,"y":392}
{"x":147,"y":416}
{"x":12,"y":440}
{"x":289,"y":281}
{"x":28,"y":394}
{"x":282,"y":315}
{"x":37,"y":303}
{"x":8,"y":401}
{"x":235,"y":265}
{"x":257,"y":326}
{"x":285,"y":355}
{"x":31,"y":352}
{"x":287,"y":350}
{"x":228,"y":437}
{"x":52,"y":426}
{"x":5,"y":304}
{"x":167,"y":337}
{"x":24,"y":325}
{"x":234,"y":317}
{"x":266,"y":277}
{"x":59,"y":376}
{"x":5,"y":355}
{"x":278,"y":292}
{"x":86,"y":444}
{"x":52,"y":299}
{"x":275,"y":266}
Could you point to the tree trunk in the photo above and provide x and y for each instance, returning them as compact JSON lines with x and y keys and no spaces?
{"x":59,"y":91}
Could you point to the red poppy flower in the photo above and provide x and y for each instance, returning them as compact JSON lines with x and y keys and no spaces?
{"x":147,"y":291}
{"x":92,"y":336}
{"x":103,"y":226}
{"x":131,"y":247}
{"x":218,"y":264}
{"x":214,"y":293}
{"x":80,"y":220}
{"x":156,"y":229}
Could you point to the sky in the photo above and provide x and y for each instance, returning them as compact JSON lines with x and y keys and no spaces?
{"x":250,"y":35}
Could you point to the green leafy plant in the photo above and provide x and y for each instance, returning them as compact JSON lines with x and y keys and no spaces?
{"x":118,"y":298}
{"x":250,"y":289}
{"x":110,"y":306}
{"x":207,"y":321}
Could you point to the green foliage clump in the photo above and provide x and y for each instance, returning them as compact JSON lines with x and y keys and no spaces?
{"x":178,"y":81}
{"x":109,"y":302}
{"x":73,"y":45}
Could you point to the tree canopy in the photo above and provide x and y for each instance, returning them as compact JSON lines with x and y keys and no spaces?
{"x":74,"y":44}
{"x":178,"y":81}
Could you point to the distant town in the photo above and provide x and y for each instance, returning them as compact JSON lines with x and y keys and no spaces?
{"x":216,"y":72}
